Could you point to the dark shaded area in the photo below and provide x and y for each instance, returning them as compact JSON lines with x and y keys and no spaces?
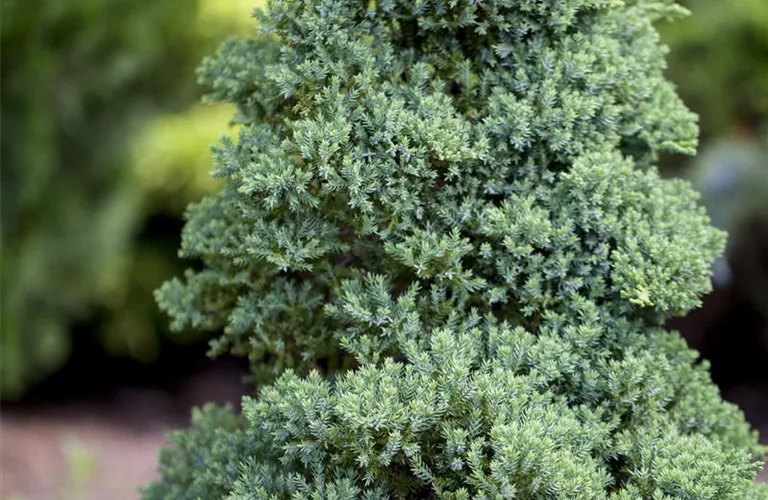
{"x":145,"y":395}
{"x":730,"y":330}
{"x":158,"y":393}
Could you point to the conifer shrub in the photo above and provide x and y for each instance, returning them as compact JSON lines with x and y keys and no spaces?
{"x":444,"y":246}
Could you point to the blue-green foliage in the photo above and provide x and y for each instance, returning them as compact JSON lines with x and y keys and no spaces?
{"x":202,"y":464}
{"x":460,"y":198}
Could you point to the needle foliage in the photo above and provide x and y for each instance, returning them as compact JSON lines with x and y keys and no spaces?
{"x":443,"y":240}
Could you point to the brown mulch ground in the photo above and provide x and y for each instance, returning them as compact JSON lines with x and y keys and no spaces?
{"x":102,"y":449}
{"x":75,"y":458}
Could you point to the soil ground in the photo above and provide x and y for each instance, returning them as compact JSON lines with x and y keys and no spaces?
{"x":102,"y":447}
{"x":46,"y":457}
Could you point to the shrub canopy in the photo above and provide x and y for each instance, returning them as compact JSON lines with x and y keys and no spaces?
{"x":457,"y":198}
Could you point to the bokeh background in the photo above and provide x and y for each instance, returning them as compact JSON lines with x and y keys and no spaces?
{"x":104,"y":143}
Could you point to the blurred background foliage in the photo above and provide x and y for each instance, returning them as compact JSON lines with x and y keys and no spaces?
{"x":719,"y":62}
{"x":104,"y":143}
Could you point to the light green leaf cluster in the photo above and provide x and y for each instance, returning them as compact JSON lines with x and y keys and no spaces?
{"x":485,"y":411}
{"x":458,"y":197}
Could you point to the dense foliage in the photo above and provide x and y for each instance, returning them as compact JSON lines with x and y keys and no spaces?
{"x":459,"y":198}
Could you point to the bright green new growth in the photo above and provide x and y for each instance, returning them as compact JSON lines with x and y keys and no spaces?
{"x":458,"y":197}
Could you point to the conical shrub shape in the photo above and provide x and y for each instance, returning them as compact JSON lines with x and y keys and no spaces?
{"x":458,"y":197}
